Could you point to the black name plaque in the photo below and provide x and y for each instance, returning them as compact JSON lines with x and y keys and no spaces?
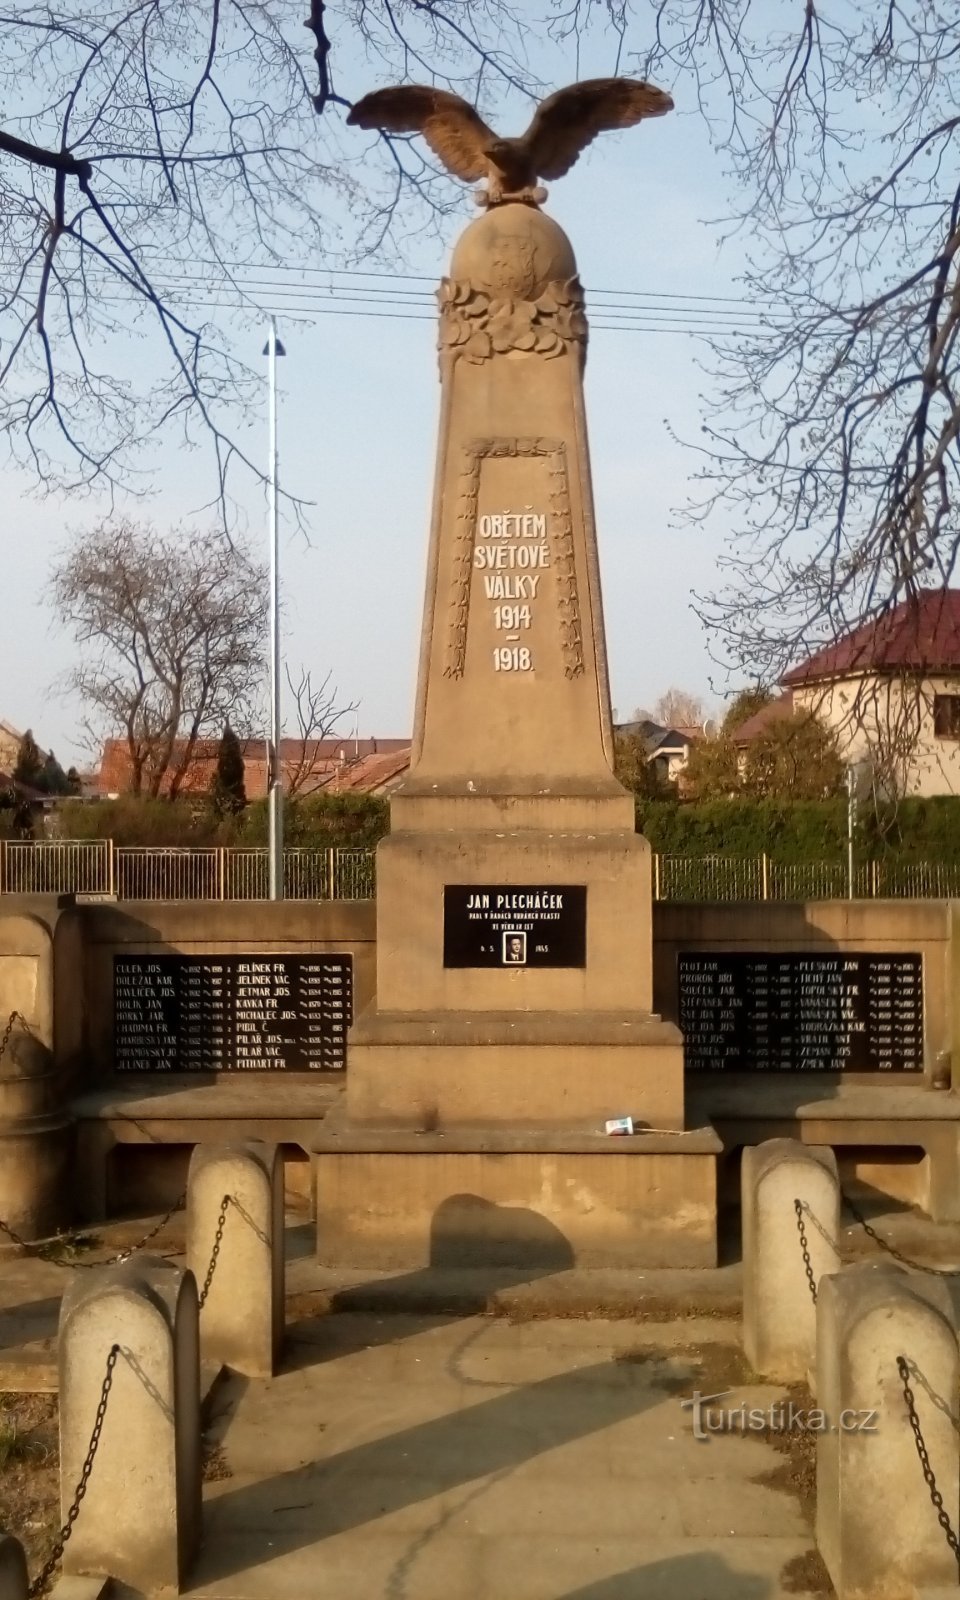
{"x":249,"y":1013}
{"x":801,"y":1012}
{"x":514,"y":925}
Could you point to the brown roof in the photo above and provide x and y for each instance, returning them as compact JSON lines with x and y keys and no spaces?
{"x":921,"y":634}
{"x":371,"y":774}
{"x":777,"y":711}
{"x":324,"y":759}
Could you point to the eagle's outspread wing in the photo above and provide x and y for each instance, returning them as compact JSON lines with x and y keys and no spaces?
{"x":567,"y":121}
{"x":453,"y":129}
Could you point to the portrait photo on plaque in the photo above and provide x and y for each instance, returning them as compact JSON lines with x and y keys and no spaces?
{"x":514,"y":948}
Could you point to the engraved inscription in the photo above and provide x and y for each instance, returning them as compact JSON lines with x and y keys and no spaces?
{"x":231,"y":1013}
{"x":801,"y":1012}
{"x":509,"y":551}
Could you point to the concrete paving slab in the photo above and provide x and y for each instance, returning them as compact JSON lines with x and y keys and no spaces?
{"x":495,"y":1465}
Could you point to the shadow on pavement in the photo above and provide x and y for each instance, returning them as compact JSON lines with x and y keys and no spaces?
{"x":701,"y":1576}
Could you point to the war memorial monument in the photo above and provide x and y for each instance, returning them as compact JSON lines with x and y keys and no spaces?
{"x":444,"y":1073}
{"x":439,"y":1067}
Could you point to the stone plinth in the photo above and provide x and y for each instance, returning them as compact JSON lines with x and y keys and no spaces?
{"x":543,"y":1199}
{"x":514,"y":1069}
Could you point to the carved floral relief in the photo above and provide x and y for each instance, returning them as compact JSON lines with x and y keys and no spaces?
{"x":476,"y":324}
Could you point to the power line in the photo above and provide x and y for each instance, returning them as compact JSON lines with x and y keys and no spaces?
{"x":300,"y":278}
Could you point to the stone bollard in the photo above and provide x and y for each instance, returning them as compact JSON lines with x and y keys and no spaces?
{"x":13,"y":1568}
{"x":242,"y":1314}
{"x":139,"y":1521}
{"x":779,"y":1314}
{"x":877,"y":1530}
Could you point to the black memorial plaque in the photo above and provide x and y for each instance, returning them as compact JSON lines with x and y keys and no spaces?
{"x":801,"y":1012}
{"x":514,"y":925}
{"x":247,"y":1013}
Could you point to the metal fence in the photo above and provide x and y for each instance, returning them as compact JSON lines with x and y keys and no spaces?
{"x":145,"y":872}
{"x":713,"y":878}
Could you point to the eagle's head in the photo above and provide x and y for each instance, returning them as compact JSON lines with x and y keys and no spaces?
{"x":658,"y":102}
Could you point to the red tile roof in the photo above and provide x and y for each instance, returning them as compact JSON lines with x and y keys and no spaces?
{"x":371,"y":774}
{"x":920,"y":635}
{"x":324,"y":760}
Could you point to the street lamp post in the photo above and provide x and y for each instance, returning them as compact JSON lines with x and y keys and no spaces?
{"x":851,"y":821}
{"x":272,"y":350}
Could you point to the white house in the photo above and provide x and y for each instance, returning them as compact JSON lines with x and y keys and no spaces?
{"x":890,"y":690}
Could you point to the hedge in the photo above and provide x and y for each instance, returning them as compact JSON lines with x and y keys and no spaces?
{"x":803,"y":830}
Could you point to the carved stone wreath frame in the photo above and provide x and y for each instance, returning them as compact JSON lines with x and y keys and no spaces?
{"x":560,"y":539}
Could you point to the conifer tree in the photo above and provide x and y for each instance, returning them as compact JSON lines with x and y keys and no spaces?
{"x":229,"y":792}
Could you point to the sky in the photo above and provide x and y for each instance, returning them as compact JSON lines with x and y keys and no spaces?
{"x":357,"y":427}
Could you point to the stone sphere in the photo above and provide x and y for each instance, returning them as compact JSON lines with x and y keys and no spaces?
{"x":513,"y":250}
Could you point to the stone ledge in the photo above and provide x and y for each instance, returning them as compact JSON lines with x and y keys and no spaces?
{"x":244,"y":1096}
{"x":531,"y":1028}
{"x":340,"y":1136}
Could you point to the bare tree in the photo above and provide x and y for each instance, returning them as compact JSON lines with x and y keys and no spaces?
{"x":150,"y":148}
{"x":676,"y":708}
{"x":318,"y":715}
{"x":830,"y":436}
{"x":170,"y":629}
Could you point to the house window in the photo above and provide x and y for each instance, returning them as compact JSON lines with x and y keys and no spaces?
{"x":946,"y":716}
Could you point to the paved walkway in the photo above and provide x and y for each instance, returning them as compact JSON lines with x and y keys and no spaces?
{"x":408,"y":1454}
{"x":416,"y":1458}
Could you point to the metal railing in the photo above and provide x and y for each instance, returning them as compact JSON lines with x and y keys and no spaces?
{"x":148,"y":872}
{"x":212,"y":872}
{"x":730,"y":878}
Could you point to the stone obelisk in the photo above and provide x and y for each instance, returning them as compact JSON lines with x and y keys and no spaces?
{"x":511,"y":789}
{"x":513,"y":1012}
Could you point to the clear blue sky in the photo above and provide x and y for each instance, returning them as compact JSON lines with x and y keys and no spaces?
{"x":358,"y":419}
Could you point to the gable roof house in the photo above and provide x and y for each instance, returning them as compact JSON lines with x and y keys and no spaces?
{"x":890,"y":692}
{"x":667,"y":749}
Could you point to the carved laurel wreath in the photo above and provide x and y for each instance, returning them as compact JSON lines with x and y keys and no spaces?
{"x":477,"y":325}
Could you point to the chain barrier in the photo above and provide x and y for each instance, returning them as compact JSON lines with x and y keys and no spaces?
{"x":46,"y":1572}
{"x":215,"y":1253}
{"x":936,"y":1498}
{"x":885,"y":1245}
{"x":44,"y":1252}
{"x":800,"y":1207}
{"x":5,"y":1037}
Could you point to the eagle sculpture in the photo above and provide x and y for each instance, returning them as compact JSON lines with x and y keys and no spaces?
{"x":563,"y":126}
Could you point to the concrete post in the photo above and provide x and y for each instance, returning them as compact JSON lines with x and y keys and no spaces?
{"x":876,"y":1527}
{"x":14,"y":1583}
{"x":241,"y":1324}
{"x":779,"y":1315}
{"x":140,"y":1518}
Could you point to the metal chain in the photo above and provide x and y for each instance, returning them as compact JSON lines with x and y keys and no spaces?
{"x":799,"y":1207}
{"x":215,"y":1254}
{"x":891,"y":1249}
{"x":5,"y":1038}
{"x":903,"y":1367}
{"x":46,"y":1572}
{"x":42,"y":1252}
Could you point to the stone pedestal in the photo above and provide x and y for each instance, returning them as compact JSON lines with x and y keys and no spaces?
{"x":514,"y":948}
